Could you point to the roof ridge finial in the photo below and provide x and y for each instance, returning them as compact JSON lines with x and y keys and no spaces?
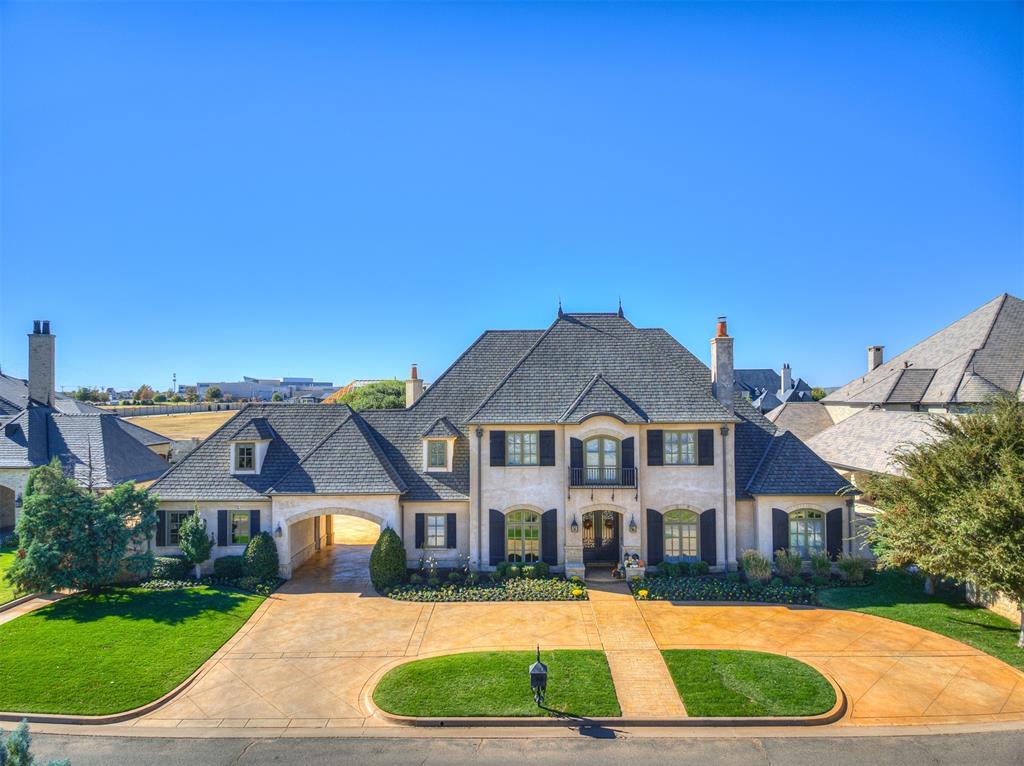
{"x":560,"y":314}
{"x":621,"y":315}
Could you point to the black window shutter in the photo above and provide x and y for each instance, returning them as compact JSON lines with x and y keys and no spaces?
{"x":547,"y":447}
{"x":161,"y":527}
{"x":655,"y":537}
{"x":420,"y":529}
{"x":497,"y":536}
{"x":254,"y":524}
{"x":497,"y":448}
{"x":628,"y":460}
{"x":834,"y":532}
{"x":709,"y":537}
{"x":222,"y":528}
{"x":655,"y":447}
{"x":549,"y":537}
{"x":450,"y":530}
{"x":780,"y":529}
{"x":706,"y":446}
{"x":575,"y":453}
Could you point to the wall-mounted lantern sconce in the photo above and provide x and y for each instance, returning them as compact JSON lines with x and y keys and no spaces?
{"x":632,"y":523}
{"x":278,"y":532}
{"x":575,"y":526}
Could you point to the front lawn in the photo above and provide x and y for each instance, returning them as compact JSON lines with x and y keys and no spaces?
{"x":6,"y":589}
{"x":497,"y":684}
{"x":93,"y":655}
{"x":901,"y":597}
{"x":716,"y":683}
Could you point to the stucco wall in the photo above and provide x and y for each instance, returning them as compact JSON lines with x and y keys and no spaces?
{"x":15,"y":480}
{"x":208,"y":510}
{"x":764,"y":504}
{"x":445,"y":557}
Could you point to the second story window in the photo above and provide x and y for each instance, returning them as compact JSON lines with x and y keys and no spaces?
{"x":245,"y":457}
{"x":602,"y":460}
{"x":437,"y":453}
{"x":680,"y":447}
{"x":521,"y":448}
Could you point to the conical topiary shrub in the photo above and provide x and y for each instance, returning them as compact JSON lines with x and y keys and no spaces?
{"x":261,"y":557}
{"x":387,"y":562}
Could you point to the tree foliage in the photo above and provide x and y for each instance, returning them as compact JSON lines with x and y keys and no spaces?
{"x":88,"y":394}
{"x":379,"y":395}
{"x":261,"y":557}
{"x":16,"y":749}
{"x":193,"y":539}
{"x":72,"y":539}
{"x":818,"y":393}
{"x":144,"y":393}
{"x":213,"y":394}
{"x":957,"y":510}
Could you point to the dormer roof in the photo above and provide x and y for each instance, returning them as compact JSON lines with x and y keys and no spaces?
{"x":441,"y":428}
{"x":254,"y":430}
{"x":599,"y":397}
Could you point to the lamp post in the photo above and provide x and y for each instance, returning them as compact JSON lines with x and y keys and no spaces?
{"x":538,"y":679}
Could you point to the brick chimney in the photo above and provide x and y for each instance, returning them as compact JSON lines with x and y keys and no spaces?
{"x":41,"y":352}
{"x":722,"y":375}
{"x":875,"y":357}
{"x":787,"y":378}
{"x":413,"y":387}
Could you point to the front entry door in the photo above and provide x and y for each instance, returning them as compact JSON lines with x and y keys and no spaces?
{"x":600,"y":536}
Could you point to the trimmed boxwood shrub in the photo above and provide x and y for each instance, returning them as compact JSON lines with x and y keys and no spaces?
{"x":228,"y":566}
{"x":721,"y":589}
{"x":170,"y":568}
{"x":261,"y":557}
{"x":387,"y":561}
{"x":507,"y":589}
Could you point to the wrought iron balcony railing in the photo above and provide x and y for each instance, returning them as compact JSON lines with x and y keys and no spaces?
{"x":602,"y":477}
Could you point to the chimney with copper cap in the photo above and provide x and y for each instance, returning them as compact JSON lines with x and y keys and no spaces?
{"x":722,"y":374}
{"x":413,"y":387}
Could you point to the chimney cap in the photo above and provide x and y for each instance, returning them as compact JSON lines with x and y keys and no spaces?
{"x":412,"y":372}
{"x":722,"y":331}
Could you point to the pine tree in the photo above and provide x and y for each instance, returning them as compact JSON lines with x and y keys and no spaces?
{"x":193,"y":539}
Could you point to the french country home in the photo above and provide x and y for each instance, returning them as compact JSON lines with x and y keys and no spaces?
{"x":586,"y":443}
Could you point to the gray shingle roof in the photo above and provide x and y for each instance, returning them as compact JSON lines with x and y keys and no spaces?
{"x":867,"y":440}
{"x":547,"y":380}
{"x":754,"y":380}
{"x":805,"y":419}
{"x":348,"y":461}
{"x":988,"y":344}
{"x":790,"y":467}
{"x":599,"y":397}
{"x":441,"y":428}
{"x":766,"y":401}
{"x":255,"y":429}
{"x":144,"y":435}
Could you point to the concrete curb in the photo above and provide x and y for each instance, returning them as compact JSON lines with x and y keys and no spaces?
{"x":836,"y":713}
{"x":19,"y":601}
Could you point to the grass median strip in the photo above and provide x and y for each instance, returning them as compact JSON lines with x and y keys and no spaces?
{"x":497,"y":684}
{"x":902,"y":598}
{"x":726,"y":683}
{"x":96,"y":655}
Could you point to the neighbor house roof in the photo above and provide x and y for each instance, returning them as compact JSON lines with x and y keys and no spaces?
{"x":868,"y":440}
{"x":805,"y":419}
{"x":976,"y":356}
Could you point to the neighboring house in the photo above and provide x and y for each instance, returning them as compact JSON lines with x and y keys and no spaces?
{"x":37,"y":424}
{"x":890,"y":406}
{"x":803,"y":418}
{"x":579,"y":444}
{"x":767,"y":389}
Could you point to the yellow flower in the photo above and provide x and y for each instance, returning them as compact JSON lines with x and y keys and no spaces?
{"x":577,"y":592}
{"x":642,"y":593}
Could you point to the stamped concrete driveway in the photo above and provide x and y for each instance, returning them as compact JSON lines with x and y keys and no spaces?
{"x":306,"y":656}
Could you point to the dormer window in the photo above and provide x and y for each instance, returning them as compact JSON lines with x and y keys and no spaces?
{"x":437,"y":454}
{"x":245,"y":457}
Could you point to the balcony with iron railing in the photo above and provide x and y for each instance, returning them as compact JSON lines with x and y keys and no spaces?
{"x":602,"y":477}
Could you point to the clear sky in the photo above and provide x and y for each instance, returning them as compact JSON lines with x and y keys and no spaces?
{"x":337,"y":190}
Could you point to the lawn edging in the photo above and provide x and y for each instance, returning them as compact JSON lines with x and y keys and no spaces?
{"x":837,"y":712}
{"x":19,"y":601}
{"x":149,"y":707}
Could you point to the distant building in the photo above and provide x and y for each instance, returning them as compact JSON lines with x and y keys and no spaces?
{"x":263,"y":389}
{"x":767,"y":389}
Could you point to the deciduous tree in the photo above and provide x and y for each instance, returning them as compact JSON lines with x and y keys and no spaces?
{"x":380,"y":395}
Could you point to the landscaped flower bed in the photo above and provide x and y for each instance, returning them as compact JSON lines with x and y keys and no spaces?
{"x":509,"y":589}
{"x":720,"y":589}
{"x":249,"y":584}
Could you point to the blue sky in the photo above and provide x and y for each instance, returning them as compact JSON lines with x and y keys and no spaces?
{"x":337,"y":190}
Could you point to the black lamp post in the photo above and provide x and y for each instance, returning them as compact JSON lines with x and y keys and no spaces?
{"x":538,"y":679}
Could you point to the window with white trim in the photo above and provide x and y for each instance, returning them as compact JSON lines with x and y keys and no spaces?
{"x":436,"y":530}
{"x":174,"y":519}
{"x":680,"y":447}
{"x":239,"y":527}
{"x":521,"y":448}
{"x":806,"y":532}
{"x":245,"y":457}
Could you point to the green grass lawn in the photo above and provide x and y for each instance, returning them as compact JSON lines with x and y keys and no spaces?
{"x":498,"y":684}
{"x":901,"y":597}
{"x":113,"y":652}
{"x":716,"y":683}
{"x":6,"y":589}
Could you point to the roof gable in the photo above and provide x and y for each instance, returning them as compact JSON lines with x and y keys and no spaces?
{"x":790,"y":467}
{"x":441,"y":428}
{"x":599,"y":397}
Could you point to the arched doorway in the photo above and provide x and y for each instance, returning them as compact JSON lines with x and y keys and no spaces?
{"x":602,"y":536}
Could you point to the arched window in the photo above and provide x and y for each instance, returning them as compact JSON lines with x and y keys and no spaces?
{"x":806,"y":532}
{"x":682,"y":536}
{"x":522,"y":536}
{"x":602,"y":460}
